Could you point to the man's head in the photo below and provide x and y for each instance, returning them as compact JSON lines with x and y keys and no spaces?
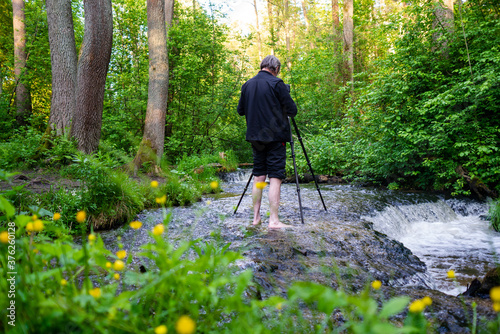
{"x":272,"y":64}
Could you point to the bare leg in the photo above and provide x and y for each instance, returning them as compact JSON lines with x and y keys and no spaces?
{"x":257,"y":198}
{"x":274,"y":203}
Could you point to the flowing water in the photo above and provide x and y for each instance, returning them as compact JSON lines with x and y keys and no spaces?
{"x":444,"y":234}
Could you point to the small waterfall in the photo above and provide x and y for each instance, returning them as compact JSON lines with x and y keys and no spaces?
{"x":446,"y":235}
{"x":240,"y":175}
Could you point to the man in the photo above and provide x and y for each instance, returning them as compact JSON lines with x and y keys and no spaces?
{"x":266,"y":104}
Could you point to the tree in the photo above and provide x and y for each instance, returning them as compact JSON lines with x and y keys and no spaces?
{"x":64,"y":65}
{"x":23,"y":103}
{"x":153,"y":140}
{"x":348,"y":38}
{"x":91,"y":76}
{"x":443,"y":23}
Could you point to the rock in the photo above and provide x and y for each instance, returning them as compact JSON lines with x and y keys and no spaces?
{"x":491,"y":279}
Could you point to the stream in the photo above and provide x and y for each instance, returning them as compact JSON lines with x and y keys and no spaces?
{"x":443,"y":233}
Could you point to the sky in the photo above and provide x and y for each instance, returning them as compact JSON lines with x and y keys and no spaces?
{"x":241,"y":12}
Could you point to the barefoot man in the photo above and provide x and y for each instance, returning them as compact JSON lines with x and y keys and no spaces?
{"x":266,"y":104}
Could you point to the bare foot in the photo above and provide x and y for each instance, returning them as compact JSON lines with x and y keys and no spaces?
{"x":279,"y":225}
{"x":255,"y":223}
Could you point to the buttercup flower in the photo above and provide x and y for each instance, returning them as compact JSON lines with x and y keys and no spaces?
{"x":34,"y":217}
{"x":161,"y":200}
{"x":159,"y":229}
{"x":64,"y":282}
{"x":29,"y":227}
{"x":108,"y":265}
{"x":154,"y":184}
{"x":162,"y":329}
{"x":495,"y":294}
{"x":417,"y":306}
{"x":96,"y":292}
{"x":92,"y":237}
{"x":136,"y":225}
{"x":118,"y":265}
{"x":121,"y":254}
{"x":451,"y":274}
{"x":261,"y":185}
{"x":214,"y":184}
{"x":496,"y":307}
{"x":4,"y":237}
{"x":376,"y":284}
{"x":185,"y":325}
{"x":427,"y":301}
{"x":81,"y":216}
{"x":56,"y":216}
{"x":37,"y":225}
{"x":116,"y":276}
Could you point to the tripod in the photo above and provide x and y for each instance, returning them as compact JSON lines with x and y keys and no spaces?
{"x":292,"y":120}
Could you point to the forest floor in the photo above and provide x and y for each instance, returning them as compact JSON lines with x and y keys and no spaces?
{"x":39,"y":181}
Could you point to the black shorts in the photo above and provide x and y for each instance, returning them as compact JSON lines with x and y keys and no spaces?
{"x":269,"y":159}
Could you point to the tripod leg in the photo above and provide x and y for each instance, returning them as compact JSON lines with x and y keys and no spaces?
{"x":297,"y":181}
{"x":244,"y":191}
{"x":308,"y":162}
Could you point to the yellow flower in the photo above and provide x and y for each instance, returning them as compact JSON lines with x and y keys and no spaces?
{"x":136,"y":225}
{"x":279,"y":306}
{"x":96,"y":292}
{"x":214,"y":185}
{"x":451,"y":274}
{"x":116,"y":276}
{"x":261,"y":185}
{"x":162,"y":329}
{"x":495,"y":294}
{"x":121,"y":254}
{"x":427,"y":301}
{"x":29,"y":227}
{"x":64,"y":282}
{"x":4,"y":237}
{"x":56,"y":216}
{"x":159,"y":229}
{"x":185,"y":325}
{"x":417,"y":306}
{"x":118,"y":265}
{"x":496,"y":307}
{"x":81,"y":216}
{"x":35,"y":251}
{"x":34,"y":217}
{"x":92,"y":237}
{"x":108,"y":265}
{"x":154,"y":184}
{"x":161,"y":200}
{"x":376,"y":284}
{"x":209,"y":202}
{"x":37,"y":225}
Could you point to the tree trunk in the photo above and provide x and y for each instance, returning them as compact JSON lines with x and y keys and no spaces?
{"x":64,"y":65}
{"x":23,"y":101}
{"x":287,"y":34}
{"x":348,"y":39}
{"x":259,"y":40}
{"x":153,"y":140}
{"x":169,"y":13}
{"x":335,"y":19}
{"x":444,"y":23}
{"x":93,"y":64}
{"x":271,"y":26}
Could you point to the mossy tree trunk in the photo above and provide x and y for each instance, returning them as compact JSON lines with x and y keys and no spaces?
{"x":153,"y":138}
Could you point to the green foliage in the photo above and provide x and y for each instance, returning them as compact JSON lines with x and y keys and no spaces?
{"x":494,"y":215}
{"x":20,"y":151}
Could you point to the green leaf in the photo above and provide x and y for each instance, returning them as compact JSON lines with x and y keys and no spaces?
{"x":394,"y":306}
{"x":6,"y":207}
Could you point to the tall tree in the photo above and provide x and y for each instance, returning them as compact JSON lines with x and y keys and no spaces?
{"x":335,"y":18}
{"x":23,"y":101}
{"x":153,"y":140}
{"x":257,"y":26}
{"x":91,"y":76}
{"x":443,"y":23}
{"x":348,"y":38}
{"x":64,"y":65}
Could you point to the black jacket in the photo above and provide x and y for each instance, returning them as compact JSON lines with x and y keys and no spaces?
{"x":266,"y":104}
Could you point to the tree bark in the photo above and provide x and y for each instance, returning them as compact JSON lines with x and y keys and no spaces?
{"x":444,"y":23}
{"x":271,"y":26}
{"x":64,"y":65}
{"x":23,"y":101}
{"x":259,"y":40}
{"x":335,"y":19}
{"x":93,"y":65}
{"x":169,"y":13}
{"x":153,"y":140}
{"x":348,"y":39}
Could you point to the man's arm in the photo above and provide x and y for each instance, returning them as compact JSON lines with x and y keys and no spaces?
{"x":241,"y":104}
{"x":287,"y":104}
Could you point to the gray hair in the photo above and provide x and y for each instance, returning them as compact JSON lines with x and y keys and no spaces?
{"x":272,"y":63}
